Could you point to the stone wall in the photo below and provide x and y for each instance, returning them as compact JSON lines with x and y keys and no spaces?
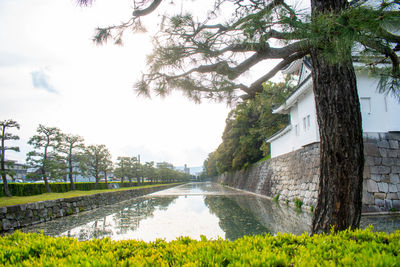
{"x":296,"y":174}
{"x":17,"y":216}
{"x":381,"y":172}
{"x":292,"y":175}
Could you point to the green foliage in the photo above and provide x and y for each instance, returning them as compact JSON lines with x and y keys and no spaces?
{"x":298,"y":203}
{"x":247,"y":126}
{"x":287,"y":202}
{"x":346,"y":248}
{"x":312,"y":208}
{"x":276,"y":198}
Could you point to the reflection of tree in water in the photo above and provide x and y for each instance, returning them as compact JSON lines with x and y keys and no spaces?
{"x":126,"y":217}
{"x":130,"y":216}
{"x":96,"y":229}
{"x":235,"y":221}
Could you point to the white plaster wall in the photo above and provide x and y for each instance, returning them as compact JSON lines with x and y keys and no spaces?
{"x":307,"y":112}
{"x":380,"y":113}
{"x":283,"y":144}
{"x":383,"y":113}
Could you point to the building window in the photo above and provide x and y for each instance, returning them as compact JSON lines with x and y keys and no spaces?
{"x":296,"y":129}
{"x":308,"y":122}
{"x":304,"y":124}
{"x":365,"y":104}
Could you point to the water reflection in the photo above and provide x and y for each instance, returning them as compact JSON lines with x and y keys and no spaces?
{"x":191,"y":210}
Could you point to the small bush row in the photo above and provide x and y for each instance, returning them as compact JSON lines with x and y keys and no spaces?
{"x":346,"y":248}
{"x":30,"y":189}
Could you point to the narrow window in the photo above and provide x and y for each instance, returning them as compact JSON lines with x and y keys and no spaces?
{"x":308,"y":122}
{"x":304,"y":124}
{"x":296,"y":130}
{"x":365,"y":104}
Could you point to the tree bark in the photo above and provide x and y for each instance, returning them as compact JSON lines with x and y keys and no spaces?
{"x":71,"y":180}
{"x":340,"y":128}
{"x":3,"y":165}
{"x":46,"y":182}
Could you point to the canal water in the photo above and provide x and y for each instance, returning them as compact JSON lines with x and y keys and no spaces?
{"x":192,"y":210}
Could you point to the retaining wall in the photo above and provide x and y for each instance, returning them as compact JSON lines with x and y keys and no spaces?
{"x":296,"y":174}
{"x":17,"y":216}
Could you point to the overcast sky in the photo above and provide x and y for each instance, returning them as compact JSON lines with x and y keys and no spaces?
{"x":51,"y":73}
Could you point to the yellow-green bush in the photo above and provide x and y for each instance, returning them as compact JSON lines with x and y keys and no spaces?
{"x":354,"y":248}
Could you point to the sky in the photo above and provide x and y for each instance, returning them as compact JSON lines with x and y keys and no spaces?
{"x":51,"y":73}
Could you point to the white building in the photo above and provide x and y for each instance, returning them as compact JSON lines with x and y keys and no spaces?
{"x":380,"y":112}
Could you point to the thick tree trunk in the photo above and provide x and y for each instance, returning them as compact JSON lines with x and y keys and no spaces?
{"x":340,"y":129}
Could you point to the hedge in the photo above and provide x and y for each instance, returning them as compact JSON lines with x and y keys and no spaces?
{"x":346,"y":248}
{"x":29,"y":189}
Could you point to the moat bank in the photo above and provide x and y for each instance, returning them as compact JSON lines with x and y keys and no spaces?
{"x":295,"y":175}
{"x":18,"y":216}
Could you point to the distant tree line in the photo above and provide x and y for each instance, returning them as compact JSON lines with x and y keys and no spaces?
{"x":60,"y":156}
{"x":247,"y":127}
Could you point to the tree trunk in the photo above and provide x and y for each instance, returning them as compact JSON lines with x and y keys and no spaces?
{"x":97,"y":181}
{"x":3,"y":164}
{"x":71,"y":180}
{"x":340,"y":129}
{"x":46,"y":182}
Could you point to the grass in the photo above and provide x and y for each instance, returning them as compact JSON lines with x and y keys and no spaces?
{"x":16,"y":200}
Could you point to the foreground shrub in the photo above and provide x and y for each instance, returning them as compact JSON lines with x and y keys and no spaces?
{"x":355,"y":248}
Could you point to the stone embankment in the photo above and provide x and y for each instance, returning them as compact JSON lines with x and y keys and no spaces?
{"x":17,"y":216}
{"x":295,"y":175}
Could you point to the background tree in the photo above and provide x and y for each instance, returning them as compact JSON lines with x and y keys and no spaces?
{"x":247,"y":126}
{"x":72,"y":145}
{"x":149,"y":171}
{"x":122,"y":168}
{"x":6,"y":166}
{"x":96,"y":158}
{"x":45,"y":155}
{"x":106,"y":165}
{"x":206,"y":59}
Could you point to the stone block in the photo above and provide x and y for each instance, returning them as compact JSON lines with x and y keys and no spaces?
{"x":366,"y":172}
{"x":394,"y":136}
{"x":3,"y":210}
{"x":371,"y":150}
{"x":369,"y":160}
{"x":372,"y":186}
{"x":383,"y":152}
{"x":388,"y":204}
{"x":379,"y":196}
{"x":7,"y":225}
{"x":396,"y":204}
{"x":378,"y":160}
{"x":388,"y":162}
{"x":373,"y":137}
{"x":396,"y":169}
{"x":379,"y":170}
{"x":392,"y":196}
{"x":383,"y":144}
{"x":376,"y":177}
{"x":392,"y":153}
{"x":379,"y":202}
{"x":383,"y":136}
{"x":392,"y":188}
{"x":385,"y":178}
{"x":383,"y":187}
{"x":394,"y":144}
{"x":394,"y":178}
{"x":368,"y":198}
